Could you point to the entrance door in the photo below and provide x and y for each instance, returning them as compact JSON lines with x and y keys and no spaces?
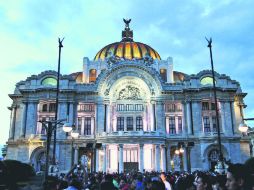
{"x":130,"y":158}
{"x":88,"y":152}
{"x":130,"y":166}
{"x":213,"y":157}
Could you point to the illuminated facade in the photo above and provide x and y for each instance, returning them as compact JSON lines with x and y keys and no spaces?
{"x":132,"y":110}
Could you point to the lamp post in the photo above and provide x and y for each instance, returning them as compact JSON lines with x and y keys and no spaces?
{"x":60,"y":45}
{"x":220,"y":165}
{"x":50,"y":127}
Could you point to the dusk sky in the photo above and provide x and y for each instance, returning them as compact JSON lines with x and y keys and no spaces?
{"x":30,"y":29}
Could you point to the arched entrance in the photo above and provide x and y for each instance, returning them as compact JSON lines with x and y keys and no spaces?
{"x":213,"y":157}
{"x":38,"y":159}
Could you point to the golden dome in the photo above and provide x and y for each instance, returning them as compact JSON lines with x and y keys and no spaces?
{"x":127,"y":49}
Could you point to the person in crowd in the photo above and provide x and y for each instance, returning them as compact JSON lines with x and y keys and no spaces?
{"x":157,"y":185}
{"x":202,"y":181}
{"x":139,"y":182}
{"x":237,"y":177}
{"x":219,"y":182}
{"x":74,"y":184}
{"x":164,"y":180}
{"x":123,"y":185}
{"x":107,"y":183}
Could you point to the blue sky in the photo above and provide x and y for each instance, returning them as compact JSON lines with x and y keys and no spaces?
{"x":30,"y":29}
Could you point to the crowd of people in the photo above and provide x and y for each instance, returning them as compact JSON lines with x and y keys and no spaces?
{"x":238,"y":177}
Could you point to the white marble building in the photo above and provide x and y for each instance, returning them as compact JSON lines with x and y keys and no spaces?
{"x":132,"y":111}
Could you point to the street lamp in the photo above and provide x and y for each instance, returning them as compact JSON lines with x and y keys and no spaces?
{"x":220,"y":167}
{"x":50,"y":127}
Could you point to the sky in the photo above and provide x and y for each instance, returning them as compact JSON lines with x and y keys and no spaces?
{"x":29,"y":32}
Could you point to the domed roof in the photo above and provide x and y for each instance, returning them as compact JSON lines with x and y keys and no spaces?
{"x":127,"y":49}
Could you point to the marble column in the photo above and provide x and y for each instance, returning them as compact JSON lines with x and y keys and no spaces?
{"x":197,"y":117}
{"x":163,"y":158}
{"x":160,"y":116}
{"x":233,"y":119}
{"x":167,"y":125}
{"x":185,"y":159}
{"x":100,"y":117}
{"x":188,"y":117}
{"x":24,"y":117}
{"x":62,"y":113}
{"x":222,"y":113}
{"x":105,"y":158}
{"x":71,"y":114}
{"x":107,"y":117}
{"x":152,"y":114}
{"x":169,"y":158}
{"x":97,"y":160}
{"x":141,"y":157}
{"x":121,"y":169}
{"x":92,"y":125}
{"x":157,"y":158}
{"x":75,"y":154}
{"x":184,"y":128}
{"x":31,"y":119}
{"x":13,"y":122}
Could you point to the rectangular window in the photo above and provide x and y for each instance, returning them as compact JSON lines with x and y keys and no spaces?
{"x":214,"y":124}
{"x":205,"y":105}
{"x":120,"y":123}
{"x":86,"y":107}
{"x":129,"y":123}
{"x":212,"y":106}
{"x":163,"y":74}
{"x":206,"y":124}
{"x":139,"y":107}
{"x":43,"y":129}
{"x":180,"y":128}
{"x":79,"y":124}
{"x":172,"y":127}
{"x":52,"y":107}
{"x":120,"y":107}
{"x":130,"y":107}
{"x":139,"y":123}
{"x":171,"y":107}
{"x":44,"y":107}
{"x":87,"y":126}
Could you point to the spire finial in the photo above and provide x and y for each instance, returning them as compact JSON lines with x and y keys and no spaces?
{"x":127,"y":34}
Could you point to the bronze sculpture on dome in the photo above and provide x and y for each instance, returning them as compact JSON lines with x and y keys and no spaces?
{"x":127,"y":22}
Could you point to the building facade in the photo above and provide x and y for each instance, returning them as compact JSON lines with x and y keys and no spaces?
{"x":132,"y":112}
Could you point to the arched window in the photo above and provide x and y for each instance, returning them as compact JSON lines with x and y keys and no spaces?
{"x":207,"y":81}
{"x":92,"y":75}
{"x":49,"y":81}
{"x":163,"y":73}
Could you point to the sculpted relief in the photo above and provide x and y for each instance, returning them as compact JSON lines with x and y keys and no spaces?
{"x":129,"y":93}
